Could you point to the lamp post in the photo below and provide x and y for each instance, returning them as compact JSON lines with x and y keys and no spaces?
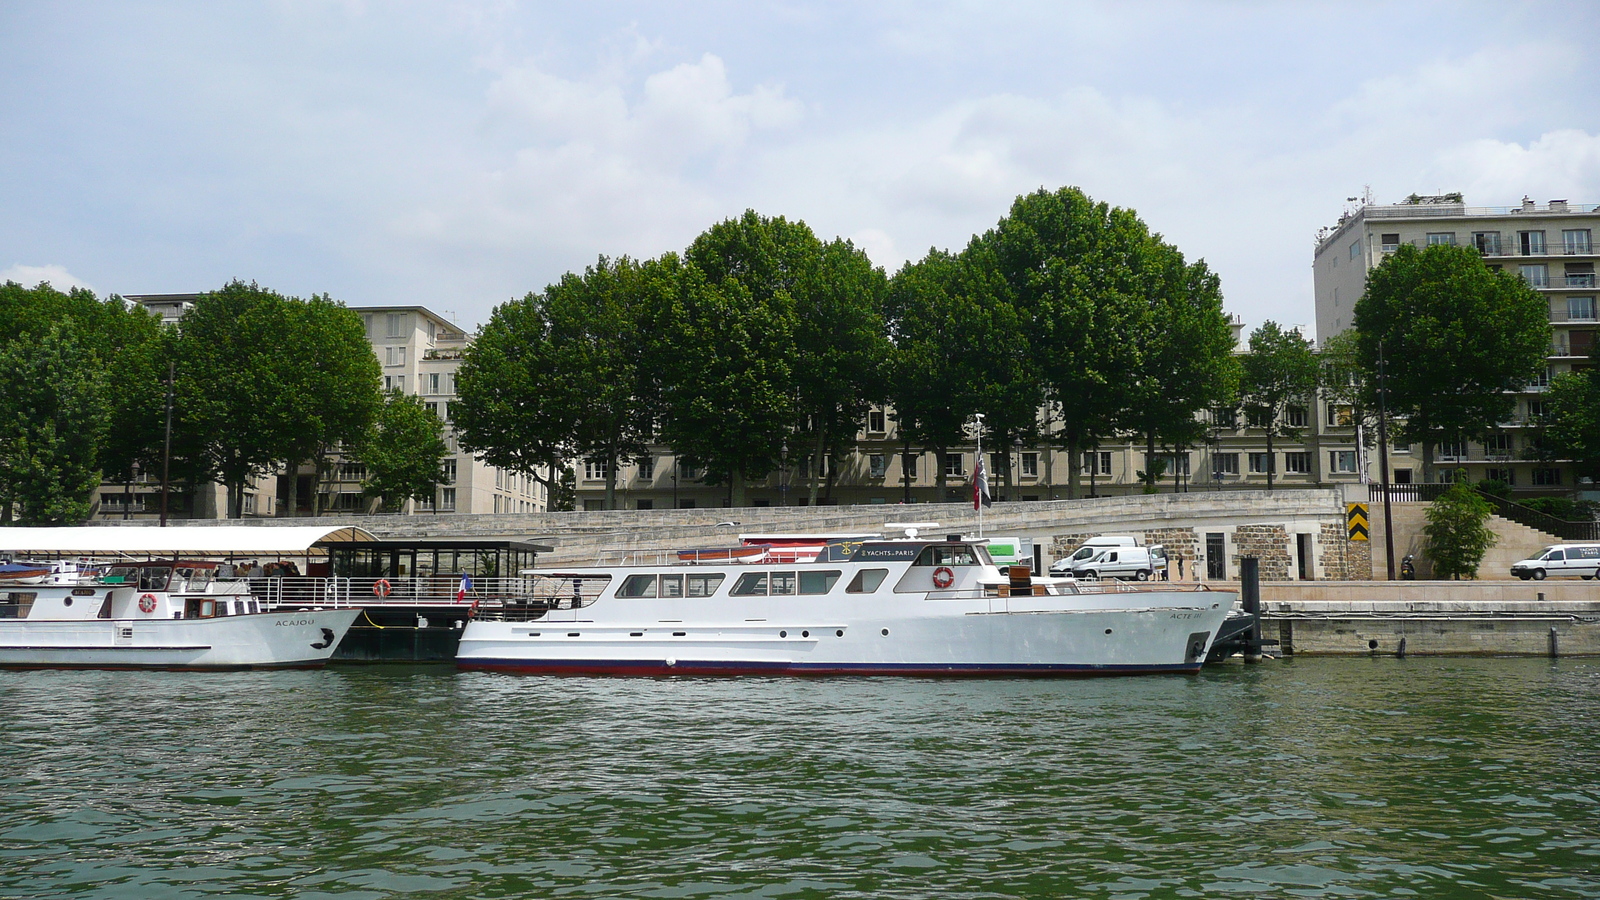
{"x":783,"y":474}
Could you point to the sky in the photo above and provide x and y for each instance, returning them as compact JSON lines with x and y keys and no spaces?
{"x":458,"y":155}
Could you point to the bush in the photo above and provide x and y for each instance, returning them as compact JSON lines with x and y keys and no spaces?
{"x":1457,"y":535}
{"x":1495,"y":488}
{"x":1563,"y":508}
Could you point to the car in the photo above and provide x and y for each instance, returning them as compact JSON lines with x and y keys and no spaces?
{"x":1560,"y":561}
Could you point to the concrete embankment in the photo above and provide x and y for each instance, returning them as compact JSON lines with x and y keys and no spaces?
{"x":1433,"y":618}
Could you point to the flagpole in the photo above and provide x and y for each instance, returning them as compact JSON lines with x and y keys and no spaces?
{"x":977,"y":476}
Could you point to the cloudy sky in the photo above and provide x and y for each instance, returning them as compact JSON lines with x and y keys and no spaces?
{"x":456,"y":155}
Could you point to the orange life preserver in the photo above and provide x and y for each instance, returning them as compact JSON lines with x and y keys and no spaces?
{"x":943,"y":577}
{"x":382,"y":588}
{"x":147,"y":603}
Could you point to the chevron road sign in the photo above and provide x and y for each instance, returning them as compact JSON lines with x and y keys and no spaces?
{"x":1355,"y":520}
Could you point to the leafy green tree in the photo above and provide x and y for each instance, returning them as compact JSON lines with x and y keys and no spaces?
{"x":1458,"y":536}
{"x":338,"y":394}
{"x":1346,"y":384}
{"x":1280,"y":370}
{"x":1183,"y":349}
{"x":1459,"y":340}
{"x":404,"y":451}
{"x":1066,"y":260}
{"x":726,"y":360}
{"x":921,"y":318}
{"x":841,"y":349}
{"x":1572,"y":420}
{"x":562,"y":373}
{"x":252,"y":383}
{"x":54,"y":412}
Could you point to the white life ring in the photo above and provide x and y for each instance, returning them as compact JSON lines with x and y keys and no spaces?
{"x":943,"y":577}
{"x":382,"y":588}
{"x":147,"y":603}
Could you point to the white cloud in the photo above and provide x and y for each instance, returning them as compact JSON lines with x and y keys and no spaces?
{"x":1561,"y":165}
{"x":57,"y":276}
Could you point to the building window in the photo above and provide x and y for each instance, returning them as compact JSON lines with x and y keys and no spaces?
{"x":647,"y":468}
{"x":1174,"y":464}
{"x":1224,"y":464}
{"x":1225,"y":418}
{"x":394,"y":356}
{"x":595,"y":469}
{"x":1543,"y":378}
{"x":908,"y":465}
{"x":1097,"y":462}
{"x":953,"y":464}
{"x":1576,"y":240}
{"x":1498,"y":444}
{"x":1259,"y":463}
{"x":447,"y":472}
{"x":1580,"y":275}
{"x":1340,"y":416}
{"x":395,"y":324}
{"x":1531,"y":243}
{"x":1355,"y":249}
{"x":1580,"y":307}
{"x":1445,"y":238}
{"x":1536,"y":275}
{"x":1452,"y":450}
{"x":447,"y":498}
{"x":688,"y":472}
{"x":1546,"y":476}
{"x":645,"y":504}
{"x":431,"y":382}
{"x":1297,"y":463}
{"x":876,"y":421}
{"x":1030,"y":465}
{"x":1487,"y":242}
{"x":1580,"y":342}
{"x":1258,"y":417}
{"x":1535,"y":409}
{"x":1342,"y":462}
{"x":1298,"y":417}
{"x":1391,"y":242}
{"x":877,"y":465}
{"x":396,"y":383}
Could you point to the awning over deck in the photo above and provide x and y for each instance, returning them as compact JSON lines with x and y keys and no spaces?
{"x":220,"y":540}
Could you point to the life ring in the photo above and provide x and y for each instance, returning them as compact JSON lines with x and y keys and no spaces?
{"x":147,"y":603}
{"x":382,"y":589}
{"x":943,"y":577}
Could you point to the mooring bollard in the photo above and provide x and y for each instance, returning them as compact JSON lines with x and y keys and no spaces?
{"x":1400,"y":651}
{"x":1555,"y":649}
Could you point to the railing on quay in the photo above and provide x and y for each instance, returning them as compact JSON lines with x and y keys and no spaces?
{"x":1506,"y":509}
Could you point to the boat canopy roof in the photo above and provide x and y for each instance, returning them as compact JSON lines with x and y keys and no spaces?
{"x":220,"y":540}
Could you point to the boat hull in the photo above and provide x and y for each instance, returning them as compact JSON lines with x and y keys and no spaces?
{"x":1160,"y":634}
{"x":303,"y":639}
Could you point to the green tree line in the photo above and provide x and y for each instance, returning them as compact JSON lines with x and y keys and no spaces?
{"x":254,"y":382}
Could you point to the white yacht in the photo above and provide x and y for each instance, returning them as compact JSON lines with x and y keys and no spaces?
{"x":162,"y":598}
{"x":912,"y":606}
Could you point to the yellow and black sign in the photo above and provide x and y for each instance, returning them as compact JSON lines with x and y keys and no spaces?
{"x":1355,"y":520}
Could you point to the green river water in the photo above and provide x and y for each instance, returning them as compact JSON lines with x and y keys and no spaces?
{"x":1309,"y":778}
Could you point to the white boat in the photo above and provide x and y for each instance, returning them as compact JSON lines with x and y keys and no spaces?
{"x":173,"y":609}
{"x":912,"y":606}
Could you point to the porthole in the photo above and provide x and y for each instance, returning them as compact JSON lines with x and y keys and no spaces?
{"x":679,"y":633}
{"x":839,"y":633}
{"x":635,"y":634}
{"x":805,"y":634}
{"x":572,"y":634}
{"x":886,"y":632}
{"x":1372,"y":644}
{"x":67,"y":601}
{"x":783,"y":634}
{"x":1108,"y":631}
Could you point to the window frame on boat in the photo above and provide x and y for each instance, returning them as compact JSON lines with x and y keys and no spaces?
{"x":669,"y":586}
{"x":785,"y":583}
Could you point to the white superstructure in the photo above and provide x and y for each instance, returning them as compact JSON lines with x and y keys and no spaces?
{"x":900,"y":607}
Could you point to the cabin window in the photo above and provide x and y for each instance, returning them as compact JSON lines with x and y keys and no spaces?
{"x":818,"y":582}
{"x":750,"y":584}
{"x":782,"y":583}
{"x":947,"y":555}
{"x":866,"y":581}
{"x":701,"y":585}
{"x":672,"y":585}
{"x":638,"y":586}
{"x":154,"y":579}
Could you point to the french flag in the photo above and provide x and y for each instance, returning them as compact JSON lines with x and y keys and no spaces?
{"x":466,"y":585}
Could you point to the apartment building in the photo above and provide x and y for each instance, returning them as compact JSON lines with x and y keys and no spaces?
{"x":1550,"y":245}
{"x":419,"y":352}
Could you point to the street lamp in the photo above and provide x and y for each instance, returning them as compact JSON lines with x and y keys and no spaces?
{"x":783,"y":474}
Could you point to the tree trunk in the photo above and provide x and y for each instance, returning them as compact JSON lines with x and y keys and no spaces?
{"x":736,"y":488}
{"x":816,"y":476}
{"x":1270,"y":459}
{"x":1074,"y":453}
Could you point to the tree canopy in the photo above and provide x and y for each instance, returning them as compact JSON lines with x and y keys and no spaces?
{"x":1458,"y":339}
{"x":1458,"y":536}
{"x":403,"y":451}
{"x":1279,"y":370}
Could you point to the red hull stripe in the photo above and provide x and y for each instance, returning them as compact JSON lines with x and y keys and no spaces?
{"x":703,"y":667}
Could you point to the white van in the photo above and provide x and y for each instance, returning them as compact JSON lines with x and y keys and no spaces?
{"x":1091,"y":548}
{"x":1560,"y":561}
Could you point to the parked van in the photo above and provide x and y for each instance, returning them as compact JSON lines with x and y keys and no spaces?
{"x":1091,"y":548}
{"x":1560,"y":561}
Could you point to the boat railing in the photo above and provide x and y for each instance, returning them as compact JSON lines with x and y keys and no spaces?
{"x":665,"y":556}
{"x":419,"y":591}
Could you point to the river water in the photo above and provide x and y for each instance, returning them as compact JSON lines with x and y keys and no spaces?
{"x":1308,"y":778}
